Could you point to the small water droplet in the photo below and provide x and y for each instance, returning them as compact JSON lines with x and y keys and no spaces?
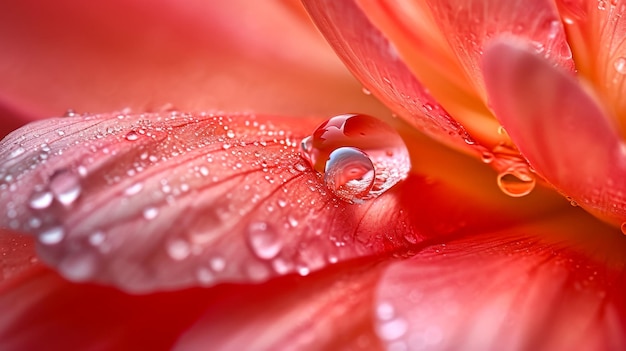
{"x":20,"y":150}
{"x":205,"y":276}
{"x":41,"y":200}
{"x":393,"y":329}
{"x":366,"y":91}
{"x":230,"y":133}
{"x":487,"y":157}
{"x":360,"y":156}
{"x":620,"y":65}
{"x":133,"y":189}
{"x":178,"y":249}
{"x":264,"y":241}
{"x":623,"y":228}
{"x":349,"y":174}
{"x":51,"y":236}
{"x":150,"y":213}
{"x":65,"y":186}
{"x":303,"y":271}
{"x":97,"y":238}
{"x":516,"y":182}
{"x":132,"y":136}
{"x":217,"y":263}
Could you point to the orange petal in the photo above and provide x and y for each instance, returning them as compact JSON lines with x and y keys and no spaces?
{"x":545,"y":285}
{"x":147,"y":56}
{"x":375,"y":62}
{"x":596,"y":31}
{"x":559,"y":127}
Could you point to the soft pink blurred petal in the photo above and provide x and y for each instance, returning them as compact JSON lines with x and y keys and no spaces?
{"x":544,"y":285}
{"x":192,"y":55}
{"x":559,"y":127}
{"x":162,"y":201}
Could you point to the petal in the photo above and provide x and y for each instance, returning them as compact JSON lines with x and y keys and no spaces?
{"x":442,"y":42}
{"x":596,"y":32}
{"x":193,"y":56}
{"x":559,"y":127}
{"x":150,"y":202}
{"x":43,"y":311}
{"x":545,"y":285}
{"x":375,"y":62}
{"x":17,"y":254}
{"x":294,"y":314}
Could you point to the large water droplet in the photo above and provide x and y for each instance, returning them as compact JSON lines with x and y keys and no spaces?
{"x":516,"y":182}
{"x":65,"y":187}
{"x":264,"y":241}
{"x":360,"y":156}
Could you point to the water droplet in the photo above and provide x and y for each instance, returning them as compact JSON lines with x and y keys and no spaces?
{"x":366,"y":91}
{"x":393,"y":329}
{"x":487,"y":157}
{"x":65,"y":186}
{"x":20,"y":150}
{"x":516,"y":182}
{"x":178,"y":249}
{"x":41,"y":200}
{"x":230,"y":133}
{"x":79,"y":267}
{"x":264,"y":241}
{"x":150,"y":213}
{"x":349,"y":174}
{"x":360,"y":156}
{"x":623,"y":228}
{"x":217,"y":264}
{"x":620,"y":65}
{"x":97,"y":238}
{"x":132,"y":136}
{"x":52,"y":236}
{"x":303,"y":271}
{"x":133,"y":189}
{"x":205,"y":276}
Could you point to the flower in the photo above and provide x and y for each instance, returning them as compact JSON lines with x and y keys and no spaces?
{"x":169,"y":229}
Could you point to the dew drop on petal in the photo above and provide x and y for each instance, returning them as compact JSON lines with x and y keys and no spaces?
{"x":516,"y":183}
{"x":263,"y":240}
{"x":620,"y":65}
{"x":150,"y":213}
{"x":40,"y":200}
{"x":52,"y":236}
{"x":65,"y":186}
{"x":360,"y":156}
{"x":178,"y":249}
{"x":132,"y":136}
{"x":623,"y":228}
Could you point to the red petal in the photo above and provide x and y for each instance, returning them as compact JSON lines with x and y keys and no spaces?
{"x":329,"y":310}
{"x":44,"y":311}
{"x":559,"y":127}
{"x":151,"y":202}
{"x":375,"y":62}
{"x":193,"y":55}
{"x":540,"y":286}
{"x":17,"y":254}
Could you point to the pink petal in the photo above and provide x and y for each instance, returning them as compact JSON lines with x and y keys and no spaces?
{"x":545,"y":285}
{"x":374,"y":61}
{"x":151,"y":202}
{"x":559,"y":127}
{"x":329,"y":310}
{"x":148,"y":56}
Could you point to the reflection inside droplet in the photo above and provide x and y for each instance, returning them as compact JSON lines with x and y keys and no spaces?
{"x":360,"y":156}
{"x":349,"y":173}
